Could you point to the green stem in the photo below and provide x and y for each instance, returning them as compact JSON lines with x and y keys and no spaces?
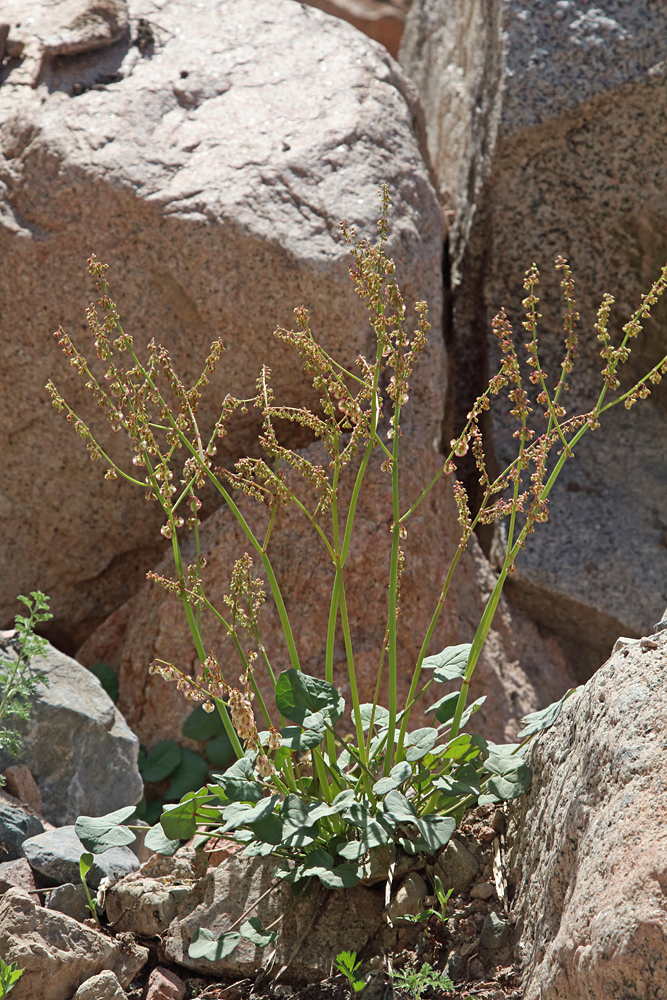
{"x":393,"y":598}
{"x":412,"y":696}
{"x":268,"y":568}
{"x":361,"y":744}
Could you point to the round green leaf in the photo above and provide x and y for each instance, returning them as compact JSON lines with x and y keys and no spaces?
{"x":508,"y":786}
{"x":398,"y":808}
{"x":191,"y":774}
{"x":297,"y":739}
{"x":464,"y":781}
{"x":201,"y":725}
{"x":537,"y":722}
{"x":380,"y":716}
{"x":179,"y":822}
{"x":204,"y":945}
{"x":219,"y":750}
{"x":450,"y":663}
{"x":299,"y":696}
{"x":269,"y":830}
{"x":342,"y":877}
{"x":163,"y":759}
{"x":253,"y":930}
{"x":384,"y":785}
{"x":238,"y":782}
{"x":445,"y":707}
{"x":156,"y":841}
{"x":436,"y":830}
{"x":99,"y":833}
{"x":420,"y":742}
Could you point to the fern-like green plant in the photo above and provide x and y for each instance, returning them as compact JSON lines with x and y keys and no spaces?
{"x":18,"y":682}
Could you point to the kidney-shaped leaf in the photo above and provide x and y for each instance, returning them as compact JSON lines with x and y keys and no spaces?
{"x":501,"y":788}
{"x":243,"y":814}
{"x":295,"y":738}
{"x":384,"y":785}
{"x":253,"y":930}
{"x":296,"y":816}
{"x":419,"y":743}
{"x":219,"y":750}
{"x":99,"y":833}
{"x":471,"y":709}
{"x":398,"y":808}
{"x":190,"y":775}
{"x":156,"y":841}
{"x":465,"y":781}
{"x":342,"y":877}
{"x":502,"y":763}
{"x":342,"y":802}
{"x":536,"y":722}
{"x":436,"y":830}
{"x":299,"y":696}
{"x":320,"y":863}
{"x":450,"y":663}
{"x":201,"y":725}
{"x":445,"y":707}
{"x":238,"y":783}
{"x":205,"y":945}
{"x":377,"y":713}
{"x":163,"y":759}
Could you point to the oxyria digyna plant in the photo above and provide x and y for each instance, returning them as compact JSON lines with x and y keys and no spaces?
{"x":319,"y":783}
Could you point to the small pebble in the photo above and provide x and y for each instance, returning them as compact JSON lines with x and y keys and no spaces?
{"x":164,"y":985}
{"x":476,"y":969}
{"x":483,"y":890}
{"x":487,"y":834}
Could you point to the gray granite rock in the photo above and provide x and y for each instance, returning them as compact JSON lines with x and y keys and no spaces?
{"x":56,"y":855}
{"x":104,"y":986}
{"x":57,"y":953}
{"x":77,"y":745}
{"x":19,"y":875}
{"x":210,"y":165}
{"x":144,"y":905}
{"x":456,"y":866}
{"x":409,"y":898}
{"x":588,"y":850}
{"x":560,"y":55}
{"x":69,"y":899}
{"x":547,"y":122}
{"x":16,"y":825}
{"x":495,"y":932}
{"x":313,"y":930}
{"x":453,"y":52}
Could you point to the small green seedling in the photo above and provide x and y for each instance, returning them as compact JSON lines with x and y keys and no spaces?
{"x":347,"y":965}
{"x":415,"y":982}
{"x":9,"y":976}
{"x":443,"y":898}
{"x":85,"y":864}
